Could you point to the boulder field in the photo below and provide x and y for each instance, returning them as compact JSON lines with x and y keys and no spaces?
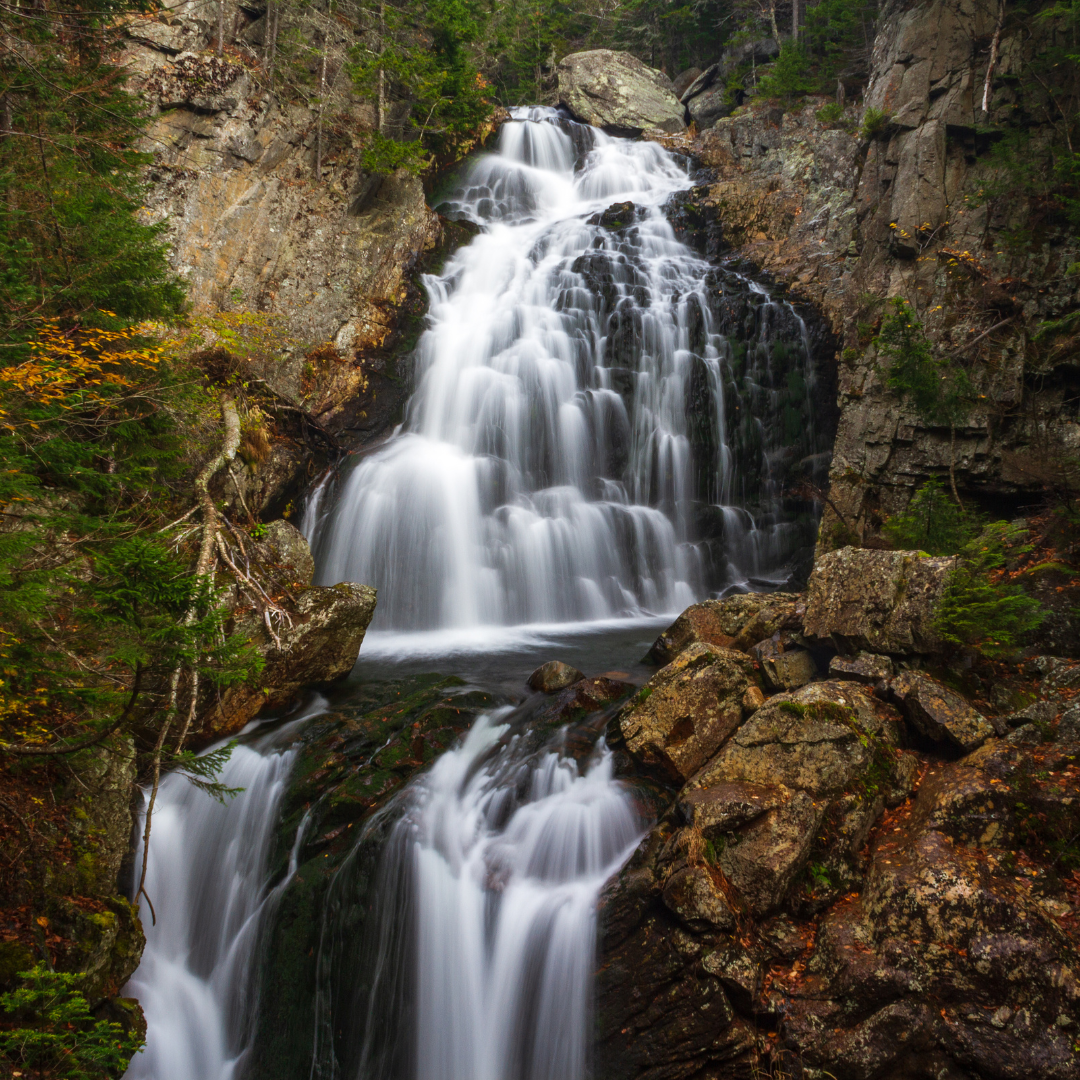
{"x":859,"y":874}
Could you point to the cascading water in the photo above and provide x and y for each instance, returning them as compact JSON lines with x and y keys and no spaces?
{"x":588,"y":436}
{"x":477,"y":962}
{"x":206,"y":876}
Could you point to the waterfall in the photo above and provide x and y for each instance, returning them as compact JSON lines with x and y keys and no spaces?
{"x":206,"y":877}
{"x":586,"y":439}
{"x":478,"y":963}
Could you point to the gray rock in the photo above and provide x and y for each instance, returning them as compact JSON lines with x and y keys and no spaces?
{"x":711,"y":105}
{"x":880,"y":601}
{"x":866,"y":668}
{"x":784,"y":668}
{"x":1068,"y":729}
{"x":687,"y":710}
{"x":554,"y":676}
{"x":724,"y":806}
{"x":1038,"y":712}
{"x":683,"y":81}
{"x":289,"y":549}
{"x":617,"y":92}
{"x":941,"y":714}
{"x":1025,"y":735}
{"x":1064,"y":677}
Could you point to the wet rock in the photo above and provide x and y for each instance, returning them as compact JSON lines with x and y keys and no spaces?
{"x":553,"y":676}
{"x":783,"y":668}
{"x":866,"y":668}
{"x":728,"y":623}
{"x":617,"y":92}
{"x":616,"y":216}
{"x":289,"y":549}
{"x":878,"y":601}
{"x":937,"y":712}
{"x":1068,"y":730}
{"x":686,"y":711}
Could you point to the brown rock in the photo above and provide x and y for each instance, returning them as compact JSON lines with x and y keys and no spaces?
{"x":753,"y":699}
{"x":866,"y":668}
{"x":693,"y":894}
{"x":744,"y":616}
{"x":553,"y":676}
{"x":724,"y":806}
{"x":288,"y":548}
{"x":686,"y":711}
{"x":784,"y":668}
{"x":880,"y":601}
{"x":939,"y":713}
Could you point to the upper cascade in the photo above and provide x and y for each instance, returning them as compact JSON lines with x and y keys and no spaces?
{"x":568,"y":452}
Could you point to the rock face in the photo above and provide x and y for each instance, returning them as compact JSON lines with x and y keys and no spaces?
{"x":880,"y":601}
{"x":685,"y":712}
{"x":617,"y":92}
{"x":937,"y":712}
{"x":738,"y":621}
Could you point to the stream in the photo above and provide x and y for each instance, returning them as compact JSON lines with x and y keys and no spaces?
{"x":604,"y":429}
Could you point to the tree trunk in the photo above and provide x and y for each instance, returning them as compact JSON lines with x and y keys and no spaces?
{"x":994,"y":46}
{"x":272,"y":16}
{"x":221,"y":28}
{"x":794,"y":20}
{"x":322,"y":105}
{"x":380,"y":102}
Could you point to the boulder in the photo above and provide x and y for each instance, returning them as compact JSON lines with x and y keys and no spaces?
{"x":728,"y":623}
{"x":288,"y":548}
{"x":683,"y":81}
{"x":809,"y":771}
{"x":318,"y":643}
{"x":617,"y":92}
{"x":711,"y":105}
{"x":878,"y":601}
{"x":937,"y":712}
{"x":554,"y":676}
{"x":693,"y":894}
{"x":784,"y":668}
{"x":867,"y":668}
{"x":1069,"y":725}
{"x":687,"y":710}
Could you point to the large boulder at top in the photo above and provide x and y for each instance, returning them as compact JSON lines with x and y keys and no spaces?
{"x":686,"y":711}
{"x":737,"y":622}
{"x":941,"y":714}
{"x":878,"y":601}
{"x":617,"y":92}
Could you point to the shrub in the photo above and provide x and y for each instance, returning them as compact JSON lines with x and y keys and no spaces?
{"x":979,"y":609}
{"x":875,"y":123}
{"x":789,"y":77}
{"x":65,"y":1039}
{"x":933,"y":523}
{"x":830,"y":113}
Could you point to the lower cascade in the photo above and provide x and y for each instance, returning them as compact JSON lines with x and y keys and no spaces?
{"x":603,"y":424}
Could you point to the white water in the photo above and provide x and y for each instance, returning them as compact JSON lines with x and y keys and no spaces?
{"x":504,"y":856}
{"x":544,"y":473}
{"x":206,"y":877}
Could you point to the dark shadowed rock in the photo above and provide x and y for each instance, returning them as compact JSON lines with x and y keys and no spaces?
{"x":866,"y":668}
{"x":880,"y":601}
{"x":937,"y":712}
{"x":681,"y":83}
{"x":686,"y":711}
{"x":553,"y":676}
{"x":784,"y":668}
{"x":728,"y":623}
{"x":694,"y":894}
{"x":617,"y":92}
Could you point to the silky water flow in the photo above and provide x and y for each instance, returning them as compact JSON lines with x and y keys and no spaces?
{"x":602,"y":425}
{"x":602,"y":421}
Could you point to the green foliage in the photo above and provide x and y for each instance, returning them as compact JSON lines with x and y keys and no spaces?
{"x":385,"y":155}
{"x":789,"y":77}
{"x":933,"y":523}
{"x":940,"y":392}
{"x":426,"y":54}
{"x":55,"y":1034}
{"x":979,"y":609}
{"x":71,"y":242}
{"x":831,"y":113}
{"x":875,"y":123}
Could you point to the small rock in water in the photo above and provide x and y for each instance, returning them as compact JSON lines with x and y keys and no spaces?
{"x":866,"y":668}
{"x":939,"y":713}
{"x":554,"y":676}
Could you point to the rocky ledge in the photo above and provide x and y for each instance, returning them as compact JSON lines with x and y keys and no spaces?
{"x":856,"y":871}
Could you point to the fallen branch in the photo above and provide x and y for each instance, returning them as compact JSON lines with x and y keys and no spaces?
{"x":985,"y":333}
{"x":229,"y":446}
